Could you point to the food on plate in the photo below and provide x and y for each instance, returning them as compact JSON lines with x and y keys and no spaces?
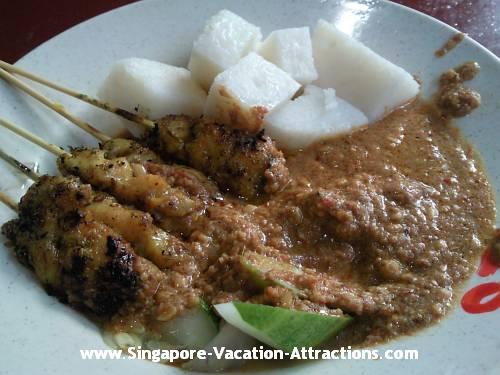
{"x":242,"y":95}
{"x":316,"y":114}
{"x":266,"y":271}
{"x":454,"y":99}
{"x":248,"y":165}
{"x":345,"y":212}
{"x":225,"y":39}
{"x":152,"y":89}
{"x":359,"y":75}
{"x":89,"y":265}
{"x":137,"y":227}
{"x":282,"y":328}
{"x":175,"y":195}
{"x":193,"y":329}
{"x":291,"y":50}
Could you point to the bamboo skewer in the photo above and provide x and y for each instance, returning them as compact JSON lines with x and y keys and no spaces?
{"x":8,"y":201}
{"x":55,"y":150}
{"x":54,"y":106}
{"x":4,"y":198}
{"x":93,"y":101}
{"x":18,"y":165}
{"x":5,"y":68}
{"x":32,"y":138}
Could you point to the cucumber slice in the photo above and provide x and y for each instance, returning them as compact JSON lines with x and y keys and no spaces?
{"x":260,"y":268}
{"x":281,"y":328}
{"x":229,"y":338}
{"x":191,"y":330}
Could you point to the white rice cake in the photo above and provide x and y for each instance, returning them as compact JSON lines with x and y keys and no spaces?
{"x":225,"y":39}
{"x":241,"y":96}
{"x":291,"y":50}
{"x":152,"y":89}
{"x":359,"y":75}
{"x":317,"y":114}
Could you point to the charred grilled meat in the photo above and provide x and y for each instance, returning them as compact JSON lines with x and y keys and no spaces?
{"x":88,"y":264}
{"x":70,"y":202}
{"x":246,"y":165}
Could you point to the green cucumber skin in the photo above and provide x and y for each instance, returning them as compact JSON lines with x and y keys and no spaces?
{"x":256,"y":275}
{"x":260,"y":281}
{"x":286,"y":327}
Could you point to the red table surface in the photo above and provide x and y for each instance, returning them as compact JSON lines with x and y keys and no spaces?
{"x":25,"y":24}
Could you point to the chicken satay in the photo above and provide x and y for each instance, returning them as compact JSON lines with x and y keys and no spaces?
{"x":175,"y":196}
{"x":89,"y":265}
{"x":191,"y":180}
{"x":133,"y":151}
{"x":137,"y":227}
{"x":79,"y":202}
{"x":247,"y":165}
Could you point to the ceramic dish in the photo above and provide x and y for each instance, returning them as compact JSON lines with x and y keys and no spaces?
{"x":43,"y":336}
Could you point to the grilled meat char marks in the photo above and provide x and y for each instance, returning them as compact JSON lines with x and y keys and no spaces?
{"x":247,"y":165}
{"x":118,"y":280}
{"x":73,"y":257}
{"x":86,"y":263}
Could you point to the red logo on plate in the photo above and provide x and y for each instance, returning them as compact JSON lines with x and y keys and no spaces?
{"x":472,"y":301}
{"x":484,"y":297}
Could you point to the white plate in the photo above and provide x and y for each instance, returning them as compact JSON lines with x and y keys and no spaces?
{"x":41,"y":336}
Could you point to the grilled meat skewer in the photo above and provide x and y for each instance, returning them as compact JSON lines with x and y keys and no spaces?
{"x":87,"y":264}
{"x":249,"y":166}
{"x":166,"y":251}
{"x":176,"y":196}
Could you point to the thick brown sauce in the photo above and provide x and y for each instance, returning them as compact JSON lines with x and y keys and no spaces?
{"x":412,"y":210}
{"x":453,"y":98}
{"x":448,"y":216}
{"x":447,"y":229}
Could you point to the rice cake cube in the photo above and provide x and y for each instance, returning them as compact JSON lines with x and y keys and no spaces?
{"x":152,"y":88}
{"x":359,"y":75}
{"x":316,"y":114}
{"x":291,"y":50}
{"x":241,"y":96}
{"x":225,"y":39}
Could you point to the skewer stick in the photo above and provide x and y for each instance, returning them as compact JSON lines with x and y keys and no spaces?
{"x":20,"y":166}
{"x":32,"y":138}
{"x":54,"y":106}
{"x":93,"y":101}
{"x":8,"y":201}
{"x":4,"y":198}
